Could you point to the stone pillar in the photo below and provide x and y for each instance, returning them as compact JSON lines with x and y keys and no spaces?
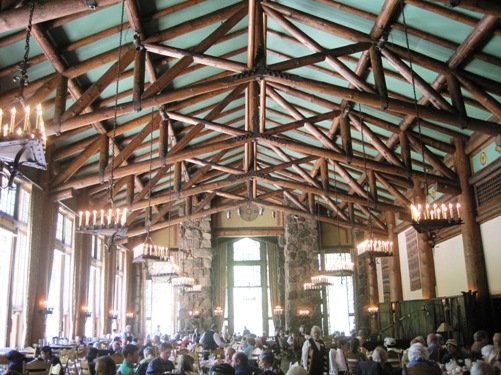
{"x":81,"y":281}
{"x":301,"y":262}
{"x":476,"y":273}
{"x":196,"y":238}
{"x":428,"y":282}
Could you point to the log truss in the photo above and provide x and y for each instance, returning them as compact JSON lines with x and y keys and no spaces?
{"x":293,"y":107}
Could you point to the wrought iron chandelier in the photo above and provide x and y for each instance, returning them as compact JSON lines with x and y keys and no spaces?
{"x":375,"y":248}
{"x":22,"y":136}
{"x":428,"y":218}
{"x":110,"y":221}
{"x":371,"y":247}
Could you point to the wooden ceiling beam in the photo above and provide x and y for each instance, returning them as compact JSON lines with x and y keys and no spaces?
{"x":318,"y":134}
{"x":165,"y":79}
{"x":100,"y":114}
{"x":45,"y":11}
{"x":199,"y":58}
{"x":342,"y":69}
{"x":394,"y":105}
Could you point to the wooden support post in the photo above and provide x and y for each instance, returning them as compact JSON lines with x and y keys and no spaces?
{"x":428,"y":282}
{"x":177,"y":177}
{"x":405,"y":150}
{"x":396,"y":293}
{"x":476,"y":273}
{"x":378,"y":71}
{"x":130,"y":190}
{"x":109,"y":286}
{"x":457,"y":98}
{"x":163,"y":141}
{"x":59,"y":103}
{"x":372,"y":186}
{"x":139,"y":68}
{"x":344,"y":122}
{"x":103,"y":156}
{"x":372,"y":290}
{"x":81,"y":281}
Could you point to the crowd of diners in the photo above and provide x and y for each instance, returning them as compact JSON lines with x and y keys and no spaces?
{"x":288,"y":352}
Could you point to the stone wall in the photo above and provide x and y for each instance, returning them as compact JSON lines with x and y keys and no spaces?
{"x":301,"y":262}
{"x":196,"y":238}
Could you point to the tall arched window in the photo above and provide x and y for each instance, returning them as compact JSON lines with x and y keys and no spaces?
{"x":248,"y":283}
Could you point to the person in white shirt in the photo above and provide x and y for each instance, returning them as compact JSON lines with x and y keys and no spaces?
{"x":337,"y":358}
{"x":314,"y":356}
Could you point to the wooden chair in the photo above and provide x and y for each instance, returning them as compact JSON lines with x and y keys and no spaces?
{"x":36,"y":367}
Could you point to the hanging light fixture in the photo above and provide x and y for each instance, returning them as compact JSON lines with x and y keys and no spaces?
{"x":110,"y":221}
{"x":183,"y":281}
{"x":218,"y":311}
{"x":22,"y":136}
{"x":343,"y":266}
{"x":375,"y":248}
{"x":428,"y":217}
{"x":371,"y":247}
{"x":148,"y":250}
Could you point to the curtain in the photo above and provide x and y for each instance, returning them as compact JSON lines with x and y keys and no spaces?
{"x":220,"y":265}
{"x":273,"y":270}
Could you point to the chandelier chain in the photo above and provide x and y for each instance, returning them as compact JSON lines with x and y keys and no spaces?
{"x":23,"y":65}
{"x":416,"y":106}
{"x":116,"y":104}
{"x":361,"y":118}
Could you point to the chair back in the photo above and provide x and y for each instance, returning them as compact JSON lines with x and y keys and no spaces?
{"x":36,"y":367}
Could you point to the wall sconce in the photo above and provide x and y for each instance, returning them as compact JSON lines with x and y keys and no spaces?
{"x":278,"y":310}
{"x":218,"y":311}
{"x":86,"y":313}
{"x":44,"y":310}
{"x":303,"y":313}
{"x":129,"y":315}
{"x":194,"y":313}
{"x":373,"y":310}
{"x":113,"y":314}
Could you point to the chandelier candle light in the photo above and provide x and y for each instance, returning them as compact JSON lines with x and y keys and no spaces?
{"x":105,"y":222}
{"x":431,"y":217}
{"x":375,"y":248}
{"x":22,"y":137}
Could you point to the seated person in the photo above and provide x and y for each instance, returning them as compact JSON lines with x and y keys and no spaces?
{"x":453,"y":353}
{"x":161,"y":364}
{"x":266,"y":362}
{"x":131,"y":355}
{"x":56,"y":368}
{"x":419,"y":363}
{"x":16,"y":361}
{"x":104,"y":365}
{"x":241,"y":364}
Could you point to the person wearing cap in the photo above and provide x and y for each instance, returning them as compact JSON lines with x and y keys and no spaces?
{"x":453,"y":353}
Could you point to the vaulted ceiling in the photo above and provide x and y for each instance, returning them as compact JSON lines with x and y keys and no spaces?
{"x":327,"y":109}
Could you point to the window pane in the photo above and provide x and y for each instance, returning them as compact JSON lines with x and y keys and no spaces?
{"x":248,"y":310}
{"x":244,"y":276}
{"x":340,"y":304}
{"x":246,"y":249}
{"x":68,"y":231}
{"x":5,"y":254}
{"x":59,"y":227}
{"x":24,"y":206}
{"x":20,"y":272}
{"x":54,"y":300}
{"x":8,"y":200}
